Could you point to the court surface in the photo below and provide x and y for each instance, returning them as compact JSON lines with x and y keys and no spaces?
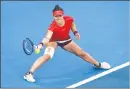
{"x":104,"y":30}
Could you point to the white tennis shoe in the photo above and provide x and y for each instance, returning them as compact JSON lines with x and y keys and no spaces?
{"x":29,"y":77}
{"x":104,"y":65}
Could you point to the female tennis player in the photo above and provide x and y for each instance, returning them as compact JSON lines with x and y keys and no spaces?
{"x":58,"y":35}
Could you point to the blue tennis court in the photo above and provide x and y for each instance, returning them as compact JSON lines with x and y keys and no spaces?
{"x":104,"y":30}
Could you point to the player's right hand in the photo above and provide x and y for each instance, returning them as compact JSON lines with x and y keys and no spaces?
{"x":39,"y":46}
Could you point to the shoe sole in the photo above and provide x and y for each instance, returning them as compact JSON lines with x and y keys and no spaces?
{"x":28,"y":79}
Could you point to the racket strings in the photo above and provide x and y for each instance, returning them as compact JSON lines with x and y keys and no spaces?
{"x":28,"y":46}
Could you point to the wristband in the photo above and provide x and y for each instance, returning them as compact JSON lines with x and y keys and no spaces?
{"x":75,"y":32}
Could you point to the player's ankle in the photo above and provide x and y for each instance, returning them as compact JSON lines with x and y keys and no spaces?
{"x":29,"y":72}
{"x":98,"y":66}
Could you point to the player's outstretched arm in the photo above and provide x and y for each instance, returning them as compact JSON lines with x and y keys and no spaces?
{"x":46,"y":39}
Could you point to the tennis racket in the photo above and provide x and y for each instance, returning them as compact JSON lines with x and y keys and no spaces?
{"x":28,"y":46}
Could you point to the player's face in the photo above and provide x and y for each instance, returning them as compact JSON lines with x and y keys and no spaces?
{"x":58,"y":18}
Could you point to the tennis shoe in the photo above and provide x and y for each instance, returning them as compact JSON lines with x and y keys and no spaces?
{"x":103,"y":65}
{"x":29,"y":77}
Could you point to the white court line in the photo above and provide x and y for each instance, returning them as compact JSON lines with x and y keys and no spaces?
{"x":99,"y":75}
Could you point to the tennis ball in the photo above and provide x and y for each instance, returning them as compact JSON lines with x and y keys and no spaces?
{"x":37,"y":51}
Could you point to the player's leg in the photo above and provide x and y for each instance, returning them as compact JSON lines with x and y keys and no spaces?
{"x":75,"y":49}
{"x":48,"y":54}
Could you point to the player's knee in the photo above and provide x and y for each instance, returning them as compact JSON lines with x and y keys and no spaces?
{"x":49,"y":51}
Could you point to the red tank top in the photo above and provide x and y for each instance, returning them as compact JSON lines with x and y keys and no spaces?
{"x":61,"y":33}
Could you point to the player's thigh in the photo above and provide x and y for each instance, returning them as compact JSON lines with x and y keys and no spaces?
{"x":52,"y":44}
{"x":72,"y":47}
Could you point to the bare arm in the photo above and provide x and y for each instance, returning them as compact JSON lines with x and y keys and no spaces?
{"x":73,"y":27}
{"x":74,"y":30}
{"x":46,"y":39}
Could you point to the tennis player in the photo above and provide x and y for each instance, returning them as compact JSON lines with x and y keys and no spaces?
{"x":58,"y":35}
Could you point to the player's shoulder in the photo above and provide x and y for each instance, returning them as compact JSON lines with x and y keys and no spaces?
{"x":53,"y":23}
{"x":68,"y":17}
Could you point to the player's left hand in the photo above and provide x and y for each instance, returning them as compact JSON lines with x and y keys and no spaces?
{"x":77,"y":35}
